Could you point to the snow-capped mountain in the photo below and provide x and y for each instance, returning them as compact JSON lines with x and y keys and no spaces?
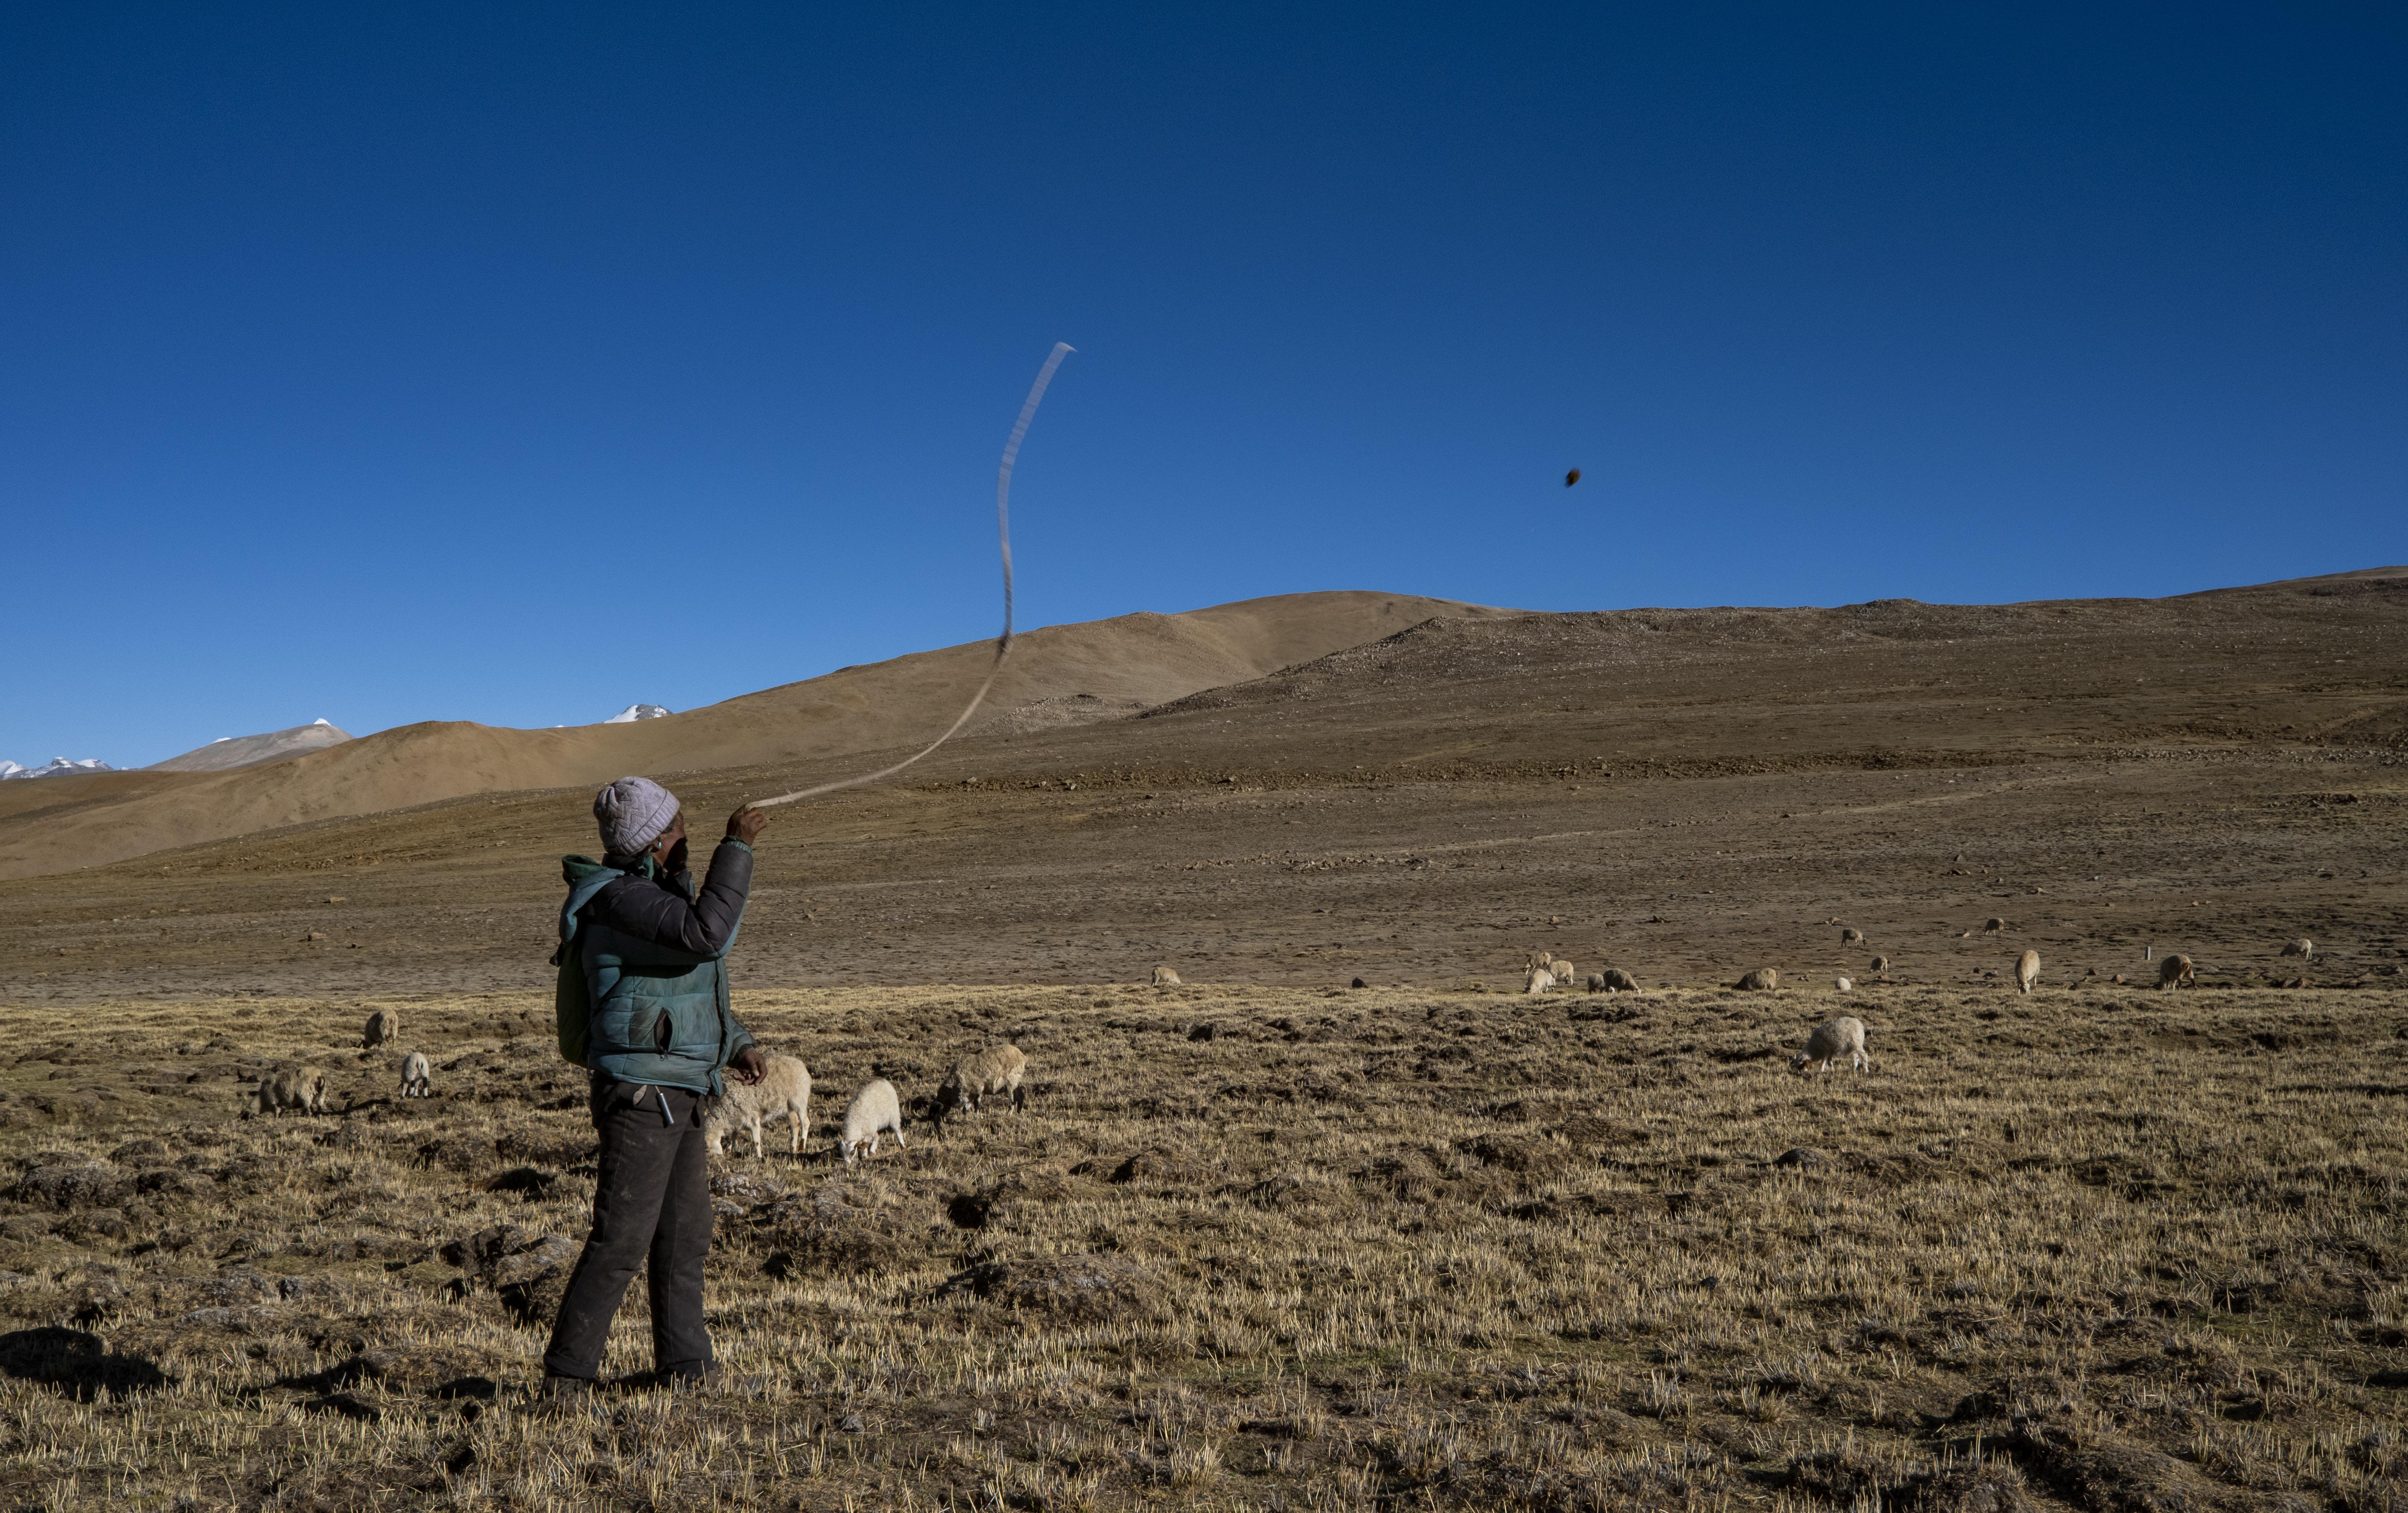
{"x":53,"y":767}
{"x":634,"y":712}
{"x":230,"y":751}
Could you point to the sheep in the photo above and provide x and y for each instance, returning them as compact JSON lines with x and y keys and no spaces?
{"x":1613,"y":979}
{"x":294,"y":1087}
{"x":1879,"y":966}
{"x":417,"y":1077}
{"x":1994,"y":926}
{"x":1539,"y":961}
{"x":1833,"y":1039}
{"x":1563,"y":971}
{"x":1852,"y":937}
{"x":1844,"y":984}
{"x":2174,"y":971}
{"x":1763,"y":979}
{"x":383,"y":1026}
{"x":996,"y":1070}
{"x":874,"y":1111}
{"x":2302,"y":947}
{"x":784,"y":1091}
{"x":2027,"y":971}
{"x":1541,"y":981}
{"x":1165,"y":978}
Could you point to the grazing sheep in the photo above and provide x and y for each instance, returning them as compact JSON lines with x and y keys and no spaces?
{"x":2302,"y":947}
{"x":996,"y":1070}
{"x":1881,"y":964}
{"x":1994,"y":926}
{"x":875,"y":1110}
{"x":383,"y":1027}
{"x":1541,"y":981}
{"x":1844,"y":984}
{"x":1763,"y":979}
{"x":2027,"y":970}
{"x":294,"y":1087}
{"x":1563,"y":972}
{"x":1165,"y":978}
{"x":784,"y":1091}
{"x":417,"y":1077}
{"x":1852,"y":937}
{"x":1613,"y":979}
{"x":2174,"y":971}
{"x":1833,"y":1039}
{"x":1538,"y":960}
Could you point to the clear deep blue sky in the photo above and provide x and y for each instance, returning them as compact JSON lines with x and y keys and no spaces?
{"x":516,"y":362}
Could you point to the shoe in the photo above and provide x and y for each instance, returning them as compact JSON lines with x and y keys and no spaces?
{"x":713,"y":1379}
{"x":557,"y":1393}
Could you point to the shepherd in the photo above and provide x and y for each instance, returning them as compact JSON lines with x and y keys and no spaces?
{"x":642,"y":1004}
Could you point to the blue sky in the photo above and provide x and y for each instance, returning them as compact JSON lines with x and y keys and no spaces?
{"x":512,"y":364}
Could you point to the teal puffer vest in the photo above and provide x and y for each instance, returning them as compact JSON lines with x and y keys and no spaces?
{"x":657,"y":1015}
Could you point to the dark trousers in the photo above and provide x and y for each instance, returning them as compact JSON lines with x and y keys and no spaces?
{"x":651,"y":1207}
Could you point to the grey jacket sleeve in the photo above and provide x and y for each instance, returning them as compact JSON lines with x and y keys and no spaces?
{"x":703,"y":927}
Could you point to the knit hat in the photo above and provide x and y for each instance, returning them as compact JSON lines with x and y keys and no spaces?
{"x":633,"y":812}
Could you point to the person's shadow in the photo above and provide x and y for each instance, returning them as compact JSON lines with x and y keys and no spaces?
{"x":76,"y":1362}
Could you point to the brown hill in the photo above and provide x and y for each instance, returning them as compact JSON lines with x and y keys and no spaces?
{"x":1055,"y":675}
{"x":1685,"y":792}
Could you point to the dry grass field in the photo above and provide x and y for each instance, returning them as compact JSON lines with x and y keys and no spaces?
{"x":1252,"y":1247}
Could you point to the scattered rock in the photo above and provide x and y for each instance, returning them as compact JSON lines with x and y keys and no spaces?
{"x":73,"y":1185}
{"x":1080,"y":1288}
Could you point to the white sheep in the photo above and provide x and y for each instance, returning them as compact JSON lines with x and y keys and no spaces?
{"x":1832,"y":1039}
{"x":784,"y":1091}
{"x":1844,"y":984}
{"x":1563,"y":971}
{"x":417,"y":1077}
{"x":1539,"y":981}
{"x":294,"y":1087}
{"x":1538,"y":960}
{"x":875,"y":1110}
{"x":2027,"y":970}
{"x":383,"y":1027}
{"x":1165,"y":978}
{"x":2174,"y":971}
{"x":996,"y":1070}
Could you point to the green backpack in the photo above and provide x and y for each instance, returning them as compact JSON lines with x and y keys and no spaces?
{"x":572,"y":1000}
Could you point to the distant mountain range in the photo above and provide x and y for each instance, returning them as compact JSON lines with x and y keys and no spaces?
{"x":228,"y":753}
{"x":53,"y":767}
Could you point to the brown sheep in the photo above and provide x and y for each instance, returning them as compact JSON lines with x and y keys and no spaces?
{"x":1852,"y":937}
{"x":1165,"y":978}
{"x":1994,"y":926}
{"x":997,"y":1070}
{"x":297,"y":1087}
{"x":2302,"y":947}
{"x":2027,"y":970}
{"x":2174,"y":971}
{"x":1763,"y":979}
{"x":383,"y":1027}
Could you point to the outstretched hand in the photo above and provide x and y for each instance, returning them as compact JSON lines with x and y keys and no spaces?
{"x":748,"y":1064}
{"x":746,"y":822}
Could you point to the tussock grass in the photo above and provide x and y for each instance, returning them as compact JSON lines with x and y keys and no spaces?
{"x":1252,"y":1248}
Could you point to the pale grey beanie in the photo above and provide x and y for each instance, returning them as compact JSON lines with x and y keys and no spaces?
{"x":633,"y":812}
